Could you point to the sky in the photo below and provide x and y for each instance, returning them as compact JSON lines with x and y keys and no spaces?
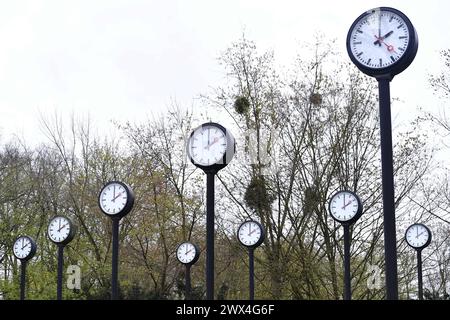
{"x":127,"y":60}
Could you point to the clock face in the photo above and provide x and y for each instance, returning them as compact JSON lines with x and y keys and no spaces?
{"x":207,"y":145}
{"x":250,"y":234}
{"x":187,"y":253}
{"x":113,"y":198}
{"x":418,"y":235}
{"x":345,"y":206}
{"x":382,"y":41}
{"x":23,"y":248}
{"x":59,"y":229}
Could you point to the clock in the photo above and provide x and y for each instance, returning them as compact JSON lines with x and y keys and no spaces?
{"x":116,"y":199}
{"x":382,"y":41}
{"x":211,"y":147}
{"x":345,"y":207}
{"x":188,"y":253}
{"x":251,"y":234}
{"x":24,"y":248}
{"x":418,"y":236}
{"x":61,"y":230}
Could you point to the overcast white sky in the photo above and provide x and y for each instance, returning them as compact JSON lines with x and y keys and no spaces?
{"x":126,"y":59}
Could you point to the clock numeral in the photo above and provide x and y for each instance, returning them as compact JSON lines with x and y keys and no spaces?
{"x":381,"y":62}
{"x":402,"y":37}
{"x":392,"y":18}
{"x":357,"y":42}
{"x":401,"y":25}
{"x":368,"y":61}
{"x":401,"y":49}
{"x":359,"y":31}
{"x":392,"y":58}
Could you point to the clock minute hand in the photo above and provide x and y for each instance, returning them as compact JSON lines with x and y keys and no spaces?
{"x":380,"y":39}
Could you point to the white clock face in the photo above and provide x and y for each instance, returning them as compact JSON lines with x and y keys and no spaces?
{"x":417,"y":235}
{"x":59,"y":229}
{"x":22,"y":247}
{"x":113,"y":198}
{"x":249,"y":233}
{"x":344,"y":206}
{"x":208,"y":145}
{"x":186,"y":252}
{"x":379,"y":39}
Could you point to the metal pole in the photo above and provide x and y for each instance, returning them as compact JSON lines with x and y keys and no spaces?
{"x":347,"y":278}
{"x":210,"y":236}
{"x":390,"y":243}
{"x":115,"y":260}
{"x":59,"y":279}
{"x":187,"y":294}
{"x":251,"y":273}
{"x":23,"y":271}
{"x":419,"y":273}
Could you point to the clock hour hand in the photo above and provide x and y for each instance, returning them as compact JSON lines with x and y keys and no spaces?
{"x":380,"y":39}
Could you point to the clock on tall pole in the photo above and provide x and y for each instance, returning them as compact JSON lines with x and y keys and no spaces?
{"x":210,"y":147}
{"x":251,"y":235}
{"x":346,"y":208}
{"x":116,"y":199}
{"x":418,"y":237}
{"x":188,"y":254}
{"x":382,"y":43}
{"x":24,"y":249}
{"x":61,"y":230}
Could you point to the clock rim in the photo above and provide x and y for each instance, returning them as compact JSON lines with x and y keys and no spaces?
{"x":228,"y":155}
{"x":401,"y":64}
{"x":197,"y":253}
{"x":426,"y":244}
{"x":70,"y":236}
{"x":32,"y":251}
{"x":358,"y":211}
{"x":261,"y":237}
{"x":129,"y":204}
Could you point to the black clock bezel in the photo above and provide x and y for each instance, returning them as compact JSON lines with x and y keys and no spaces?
{"x":129,"y":204}
{"x":401,"y":64}
{"x":70,"y":236}
{"x":358,"y":212}
{"x":227,"y":157}
{"x":32,"y":251}
{"x":261,"y":238}
{"x":197,"y":253}
{"x":426,"y":244}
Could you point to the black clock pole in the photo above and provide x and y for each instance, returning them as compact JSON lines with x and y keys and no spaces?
{"x":60,"y":272}
{"x":210,"y":176}
{"x":390,"y":242}
{"x":347,"y":277}
{"x":187,"y":294}
{"x":23,"y":272}
{"x":419,"y":273}
{"x":251,"y":267}
{"x":115,"y":260}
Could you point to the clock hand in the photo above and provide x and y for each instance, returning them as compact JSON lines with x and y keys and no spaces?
{"x":379,"y":29}
{"x":388,"y":46}
{"x":61,"y":227}
{"x":419,"y":234}
{"x":380,"y":39}
{"x":114,"y":199}
{"x":25,"y":245}
{"x":188,"y":251}
{"x":347,"y":204}
{"x":216,"y":139}
{"x":252,"y":232}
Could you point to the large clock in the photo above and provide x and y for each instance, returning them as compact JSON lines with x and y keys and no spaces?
{"x":382,"y":41}
{"x":211,"y":147}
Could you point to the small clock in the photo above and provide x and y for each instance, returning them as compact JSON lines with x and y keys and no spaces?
{"x":116,"y":199}
{"x":61,"y":230}
{"x":211,"y":147}
{"x":418,"y":236}
{"x":251,"y":234}
{"x":345,"y":207}
{"x":382,"y":41}
{"x":188,"y":253}
{"x":24,"y":248}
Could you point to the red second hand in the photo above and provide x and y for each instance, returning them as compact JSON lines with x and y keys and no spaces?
{"x":388,"y":46}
